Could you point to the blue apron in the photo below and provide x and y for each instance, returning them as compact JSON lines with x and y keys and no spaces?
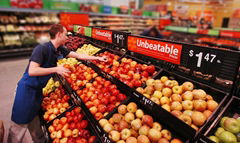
{"x":28,"y":97}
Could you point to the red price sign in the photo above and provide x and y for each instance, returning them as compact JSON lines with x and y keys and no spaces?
{"x":232,"y":34}
{"x":104,"y":35}
{"x":157,"y":49}
{"x":202,"y":31}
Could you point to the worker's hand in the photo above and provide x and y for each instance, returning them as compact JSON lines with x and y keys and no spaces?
{"x":62,"y":71}
{"x":103,"y":59}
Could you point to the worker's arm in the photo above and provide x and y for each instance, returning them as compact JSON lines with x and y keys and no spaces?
{"x":85,"y":57}
{"x":36,"y":70}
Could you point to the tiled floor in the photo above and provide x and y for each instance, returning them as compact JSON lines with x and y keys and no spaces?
{"x":11,"y":71}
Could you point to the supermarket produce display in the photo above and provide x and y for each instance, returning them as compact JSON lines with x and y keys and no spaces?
{"x":20,"y":31}
{"x":137,"y":97}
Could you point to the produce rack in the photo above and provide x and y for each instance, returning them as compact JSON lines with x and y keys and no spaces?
{"x":21,"y":30}
{"x":214,"y":70}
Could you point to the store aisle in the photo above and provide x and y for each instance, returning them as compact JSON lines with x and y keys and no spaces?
{"x":11,"y":71}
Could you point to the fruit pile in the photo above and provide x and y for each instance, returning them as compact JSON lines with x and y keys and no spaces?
{"x":74,"y":42}
{"x":101,"y":97}
{"x":71,"y":128}
{"x":131,"y":125}
{"x":69,"y":61}
{"x":229,"y":132}
{"x":88,"y":49}
{"x":193,"y":106}
{"x":130,"y":72}
{"x":51,"y":85}
{"x":111,"y":59}
{"x":55,"y":103}
{"x":79,"y":75}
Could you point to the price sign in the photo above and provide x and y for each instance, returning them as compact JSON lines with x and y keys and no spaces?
{"x":105,"y":138}
{"x":103,"y":35}
{"x":205,"y":60}
{"x":119,"y":38}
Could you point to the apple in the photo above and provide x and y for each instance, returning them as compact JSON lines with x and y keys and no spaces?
{"x":121,"y":141}
{"x":148,"y":120}
{"x":166,"y":107}
{"x":151,"y":69}
{"x":131,"y":140}
{"x":176,"y":106}
{"x":143,"y":139}
{"x":164,"y":100}
{"x":52,"y":116}
{"x":56,"y":140}
{"x":140,"y":90}
{"x":150,"y":82}
{"x":129,"y":117}
{"x":64,"y":140}
{"x":108,"y":127}
{"x":163,"y":79}
{"x":59,"y":134}
{"x":149,"y":90}
{"x":186,"y":118}
{"x":122,"y":109}
{"x":154,"y":135}
{"x":188,"y":95}
{"x":209,"y":97}
{"x":207,"y":113}
{"x":200,"y":105}
{"x":132,"y":107}
{"x":155,"y":100}
{"x":53,"y":135}
{"x":103,"y":122}
{"x":67,"y":133}
{"x":63,"y":120}
{"x":187,"y":105}
{"x":176,"y":97}
{"x":158,"y":85}
{"x":212,"y":105}
{"x":166,"y":134}
{"x":187,"y":86}
{"x":75,"y":133}
{"x":91,"y":139}
{"x":139,"y":113}
{"x":134,"y":133}
{"x":117,"y":117}
{"x":188,"y":112}
{"x":51,"y":129}
{"x":143,"y":130}
{"x":168,"y":83}
{"x":157,"y":126}
{"x":199,"y":94}
{"x":163,"y":140}
{"x":125,"y":133}
{"x":222,"y":121}
{"x":147,"y":95}
{"x":93,"y":110}
{"x":176,"y":113}
{"x":177,"y":89}
{"x":59,"y":127}
{"x":198,"y":118}
{"x":176,"y":141}
{"x":167,"y":92}
{"x":157,"y":94}
{"x":136,"y":124}
{"x":114,"y":135}
{"x":123,"y":125}
{"x":111,"y":121}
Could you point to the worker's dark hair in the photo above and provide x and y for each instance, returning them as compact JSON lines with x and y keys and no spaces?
{"x":55,"y":28}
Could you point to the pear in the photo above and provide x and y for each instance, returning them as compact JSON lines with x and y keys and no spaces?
{"x":219,"y":131}
{"x":231,"y":125}
{"x":222,"y":121}
{"x":227,"y":137}
{"x":214,"y":138}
